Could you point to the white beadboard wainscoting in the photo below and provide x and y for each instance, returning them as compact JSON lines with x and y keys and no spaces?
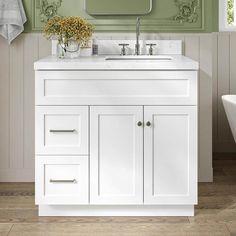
{"x":224,"y":82}
{"x":17,"y":105}
{"x":215,"y":52}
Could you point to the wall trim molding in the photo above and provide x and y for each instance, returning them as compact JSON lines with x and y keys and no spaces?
{"x":224,"y":147}
{"x":48,"y":10}
{"x":16,"y":175}
{"x":187,"y":11}
{"x":181,"y":22}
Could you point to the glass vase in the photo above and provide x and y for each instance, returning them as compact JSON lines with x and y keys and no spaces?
{"x":72,"y":49}
{"x":69,"y":49}
{"x":61,"y":50}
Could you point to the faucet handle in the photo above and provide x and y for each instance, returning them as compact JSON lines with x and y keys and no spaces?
{"x":151,"y":45}
{"x":123,"y":49}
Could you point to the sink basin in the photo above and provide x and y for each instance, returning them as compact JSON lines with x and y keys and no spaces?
{"x":139,"y":58}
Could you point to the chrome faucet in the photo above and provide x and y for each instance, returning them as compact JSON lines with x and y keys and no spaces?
{"x":137,"y":45}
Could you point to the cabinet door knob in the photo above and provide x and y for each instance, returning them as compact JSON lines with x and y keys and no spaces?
{"x":148,"y":123}
{"x":139,"y":123}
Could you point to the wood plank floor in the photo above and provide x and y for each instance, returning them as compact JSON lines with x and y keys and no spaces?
{"x":215,"y":214}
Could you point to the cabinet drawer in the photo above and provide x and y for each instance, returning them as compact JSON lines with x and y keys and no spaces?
{"x":62,"y":130}
{"x":61,"y":180}
{"x":116,"y":87}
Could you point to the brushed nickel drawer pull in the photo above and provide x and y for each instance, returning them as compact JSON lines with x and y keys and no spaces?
{"x":62,"y":130}
{"x":63,"y":181}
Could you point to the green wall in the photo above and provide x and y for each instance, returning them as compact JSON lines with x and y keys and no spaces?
{"x":162,"y":18}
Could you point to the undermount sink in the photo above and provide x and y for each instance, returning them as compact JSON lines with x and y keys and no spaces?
{"x":140,"y":57}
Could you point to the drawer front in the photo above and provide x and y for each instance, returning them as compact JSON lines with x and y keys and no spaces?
{"x":116,"y":87}
{"x":61,"y":180}
{"x":61,"y":130}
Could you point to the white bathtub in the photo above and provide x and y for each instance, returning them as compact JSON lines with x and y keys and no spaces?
{"x":229,"y":102}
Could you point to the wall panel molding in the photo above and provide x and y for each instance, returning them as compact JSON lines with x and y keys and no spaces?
{"x":167,"y":15}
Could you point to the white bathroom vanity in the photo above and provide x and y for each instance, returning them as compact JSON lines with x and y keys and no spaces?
{"x":116,"y":137}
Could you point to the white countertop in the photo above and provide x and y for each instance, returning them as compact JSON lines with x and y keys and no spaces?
{"x":99,"y":63}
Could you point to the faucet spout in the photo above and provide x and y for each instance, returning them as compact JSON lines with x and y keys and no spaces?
{"x":137,"y":45}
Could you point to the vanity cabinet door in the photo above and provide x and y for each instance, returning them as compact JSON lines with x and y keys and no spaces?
{"x":116,"y":163}
{"x":170,"y":155}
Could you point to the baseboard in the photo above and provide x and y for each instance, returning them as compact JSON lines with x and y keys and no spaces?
{"x":136,"y":210}
{"x":224,"y":155}
{"x":205,"y":176}
{"x":17,"y":175}
{"x":224,"y":147}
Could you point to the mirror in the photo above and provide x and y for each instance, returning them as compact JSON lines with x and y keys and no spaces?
{"x":118,"y":7}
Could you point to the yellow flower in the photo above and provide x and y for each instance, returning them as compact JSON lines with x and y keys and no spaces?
{"x":66,"y":28}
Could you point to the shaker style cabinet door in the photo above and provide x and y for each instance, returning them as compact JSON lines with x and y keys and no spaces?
{"x":170,"y":155}
{"x":116,"y":161}
{"x":62,"y":130}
